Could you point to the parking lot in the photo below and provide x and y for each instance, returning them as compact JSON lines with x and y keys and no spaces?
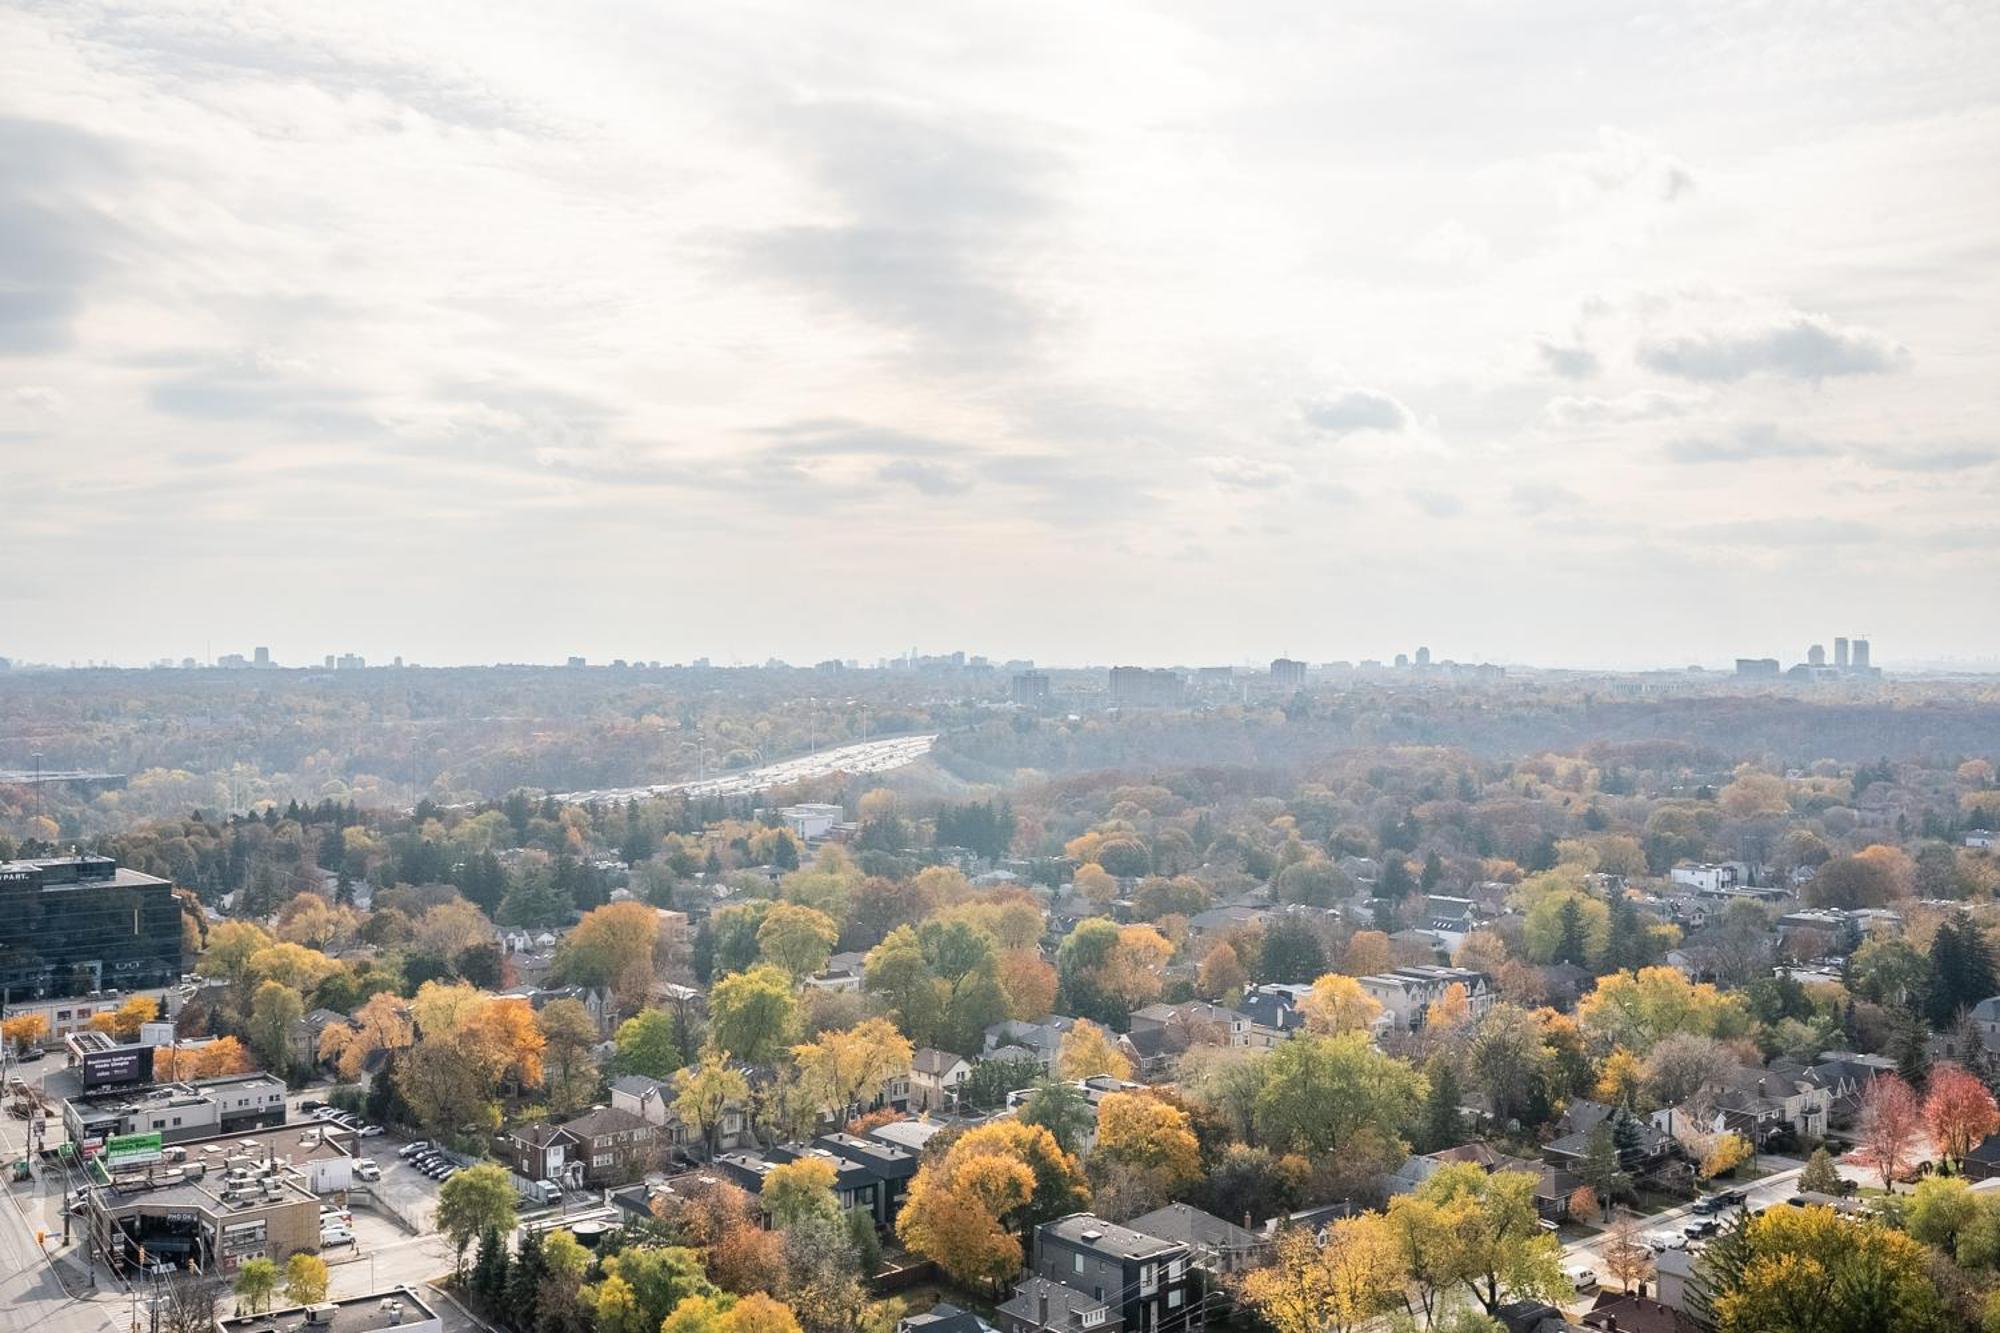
{"x":403,"y":1199}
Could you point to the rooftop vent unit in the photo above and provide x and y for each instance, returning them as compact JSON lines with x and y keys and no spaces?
{"x":321,"y":1313}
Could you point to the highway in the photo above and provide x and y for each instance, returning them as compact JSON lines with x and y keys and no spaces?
{"x":877,"y":756}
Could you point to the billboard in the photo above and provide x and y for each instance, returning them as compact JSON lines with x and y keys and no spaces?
{"x":120,"y":1064}
{"x":131,"y":1150}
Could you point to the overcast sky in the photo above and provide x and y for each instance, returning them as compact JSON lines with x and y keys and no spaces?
{"x":1574,"y":332}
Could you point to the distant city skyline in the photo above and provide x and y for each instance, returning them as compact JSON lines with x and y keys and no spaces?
{"x":1545,"y":333}
{"x":1388,"y":659}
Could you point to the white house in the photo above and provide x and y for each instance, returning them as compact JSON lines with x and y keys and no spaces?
{"x":935,"y":1077}
{"x":811,"y":821}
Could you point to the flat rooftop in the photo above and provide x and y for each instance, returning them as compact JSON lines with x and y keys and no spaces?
{"x":172,"y":1094}
{"x":356,"y":1314}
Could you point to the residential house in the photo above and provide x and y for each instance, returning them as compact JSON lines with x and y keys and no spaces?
{"x":1214,"y":1245}
{"x":596,"y":1002}
{"x":860,"y":1182}
{"x":1274,"y":1013}
{"x":890,"y":1166}
{"x":841,"y":973}
{"x":1039,"y":1304}
{"x":1846,"y":1075}
{"x":1162,"y":1032}
{"x":1613,"y":1312}
{"x":539,"y":1151}
{"x":1405,"y":993}
{"x":1760,"y":1104}
{"x":614,"y":1145}
{"x":1983,"y":1162}
{"x":1043,"y":1038}
{"x":909,"y":1135}
{"x":1705,"y":878}
{"x":944,"y":1318}
{"x":935,"y":1077}
{"x":306,"y":1032}
{"x":1651,"y":1147}
{"x":1147,"y":1280}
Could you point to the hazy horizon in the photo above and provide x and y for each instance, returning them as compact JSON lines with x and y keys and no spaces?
{"x":1557,"y":334}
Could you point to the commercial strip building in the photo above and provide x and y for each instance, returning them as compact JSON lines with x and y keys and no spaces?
{"x":176,"y":1111}
{"x":401,"y":1309}
{"x":83,"y":925}
{"x":214,"y":1202}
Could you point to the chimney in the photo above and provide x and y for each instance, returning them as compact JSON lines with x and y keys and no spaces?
{"x":1042,"y":1316}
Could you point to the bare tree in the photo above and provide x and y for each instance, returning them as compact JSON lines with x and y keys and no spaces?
{"x":1625,"y":1255}
{"x":186,"y":1303}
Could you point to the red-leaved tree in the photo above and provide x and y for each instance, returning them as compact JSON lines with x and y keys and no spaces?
{"x":1891,"y":1122}
{"x":1958,"y":1111}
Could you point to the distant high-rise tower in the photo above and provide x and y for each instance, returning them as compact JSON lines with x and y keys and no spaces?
{"x":1840,"y":653}
{"x":1423,"y":657}
{"x":1288,"y":672}
{"x":1402,"y":661}
{"x":1816,"y":655}
{"x":263,"y":658}
{"x":1861,"y":654}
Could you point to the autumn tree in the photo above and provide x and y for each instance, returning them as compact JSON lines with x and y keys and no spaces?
{"x":255,"y":1281}
{"x":704,"y":1092}
{"x":473,"y":1201}
{"x":1221,"y":972}
{"x":1088,"y":1050}
{"x":24,"y":1030}
{"x":211,"y":1059}
{"x":967,"y":1209}
{"x":1637,"y":1010}
{"x":1337,"y":1004}
{"x":1497,"y":1247}
{"x":568,"y":1034}
{"x":614,"y":947}
{"x":1811,"y":1270}
{"x":1322,"y":1094}
{"x":799,"y":1189}
{"x":849,"y":1069}
{"x":1959,"y":1111}
{"x":797,"y":939}
{"x":273,"y":1010}
{"x":1029,"y":982}
{"x":752,"y":1014}
{"x":1891,"y":1121}
{"x":648,"y":1044}
{"x":305,"y":1279}
{"x":1151,"y":1139}
{"x":1329,"y":1284}
{"x":382,"y":1023}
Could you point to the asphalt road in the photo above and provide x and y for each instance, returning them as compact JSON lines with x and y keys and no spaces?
{"x":878,"y":756}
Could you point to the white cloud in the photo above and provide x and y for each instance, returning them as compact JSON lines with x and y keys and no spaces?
{"x":958,"y":310}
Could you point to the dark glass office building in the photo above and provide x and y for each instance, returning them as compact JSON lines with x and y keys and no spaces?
{"x":79,"y":924}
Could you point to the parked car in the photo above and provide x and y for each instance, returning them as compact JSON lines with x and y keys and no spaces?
{"x":1733,"y":1198}
{"x":1582,"y":1277}
{"x":1659,"y":1242}
{"x":311,"y":1104}
{"x":1701,"y":1230}
{"x":412,"y":1149}
{"x":335,"y":1236}
{"x":326,"y":1112}
{"x":369,"y":1131}
{"x":367,"y":1170}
